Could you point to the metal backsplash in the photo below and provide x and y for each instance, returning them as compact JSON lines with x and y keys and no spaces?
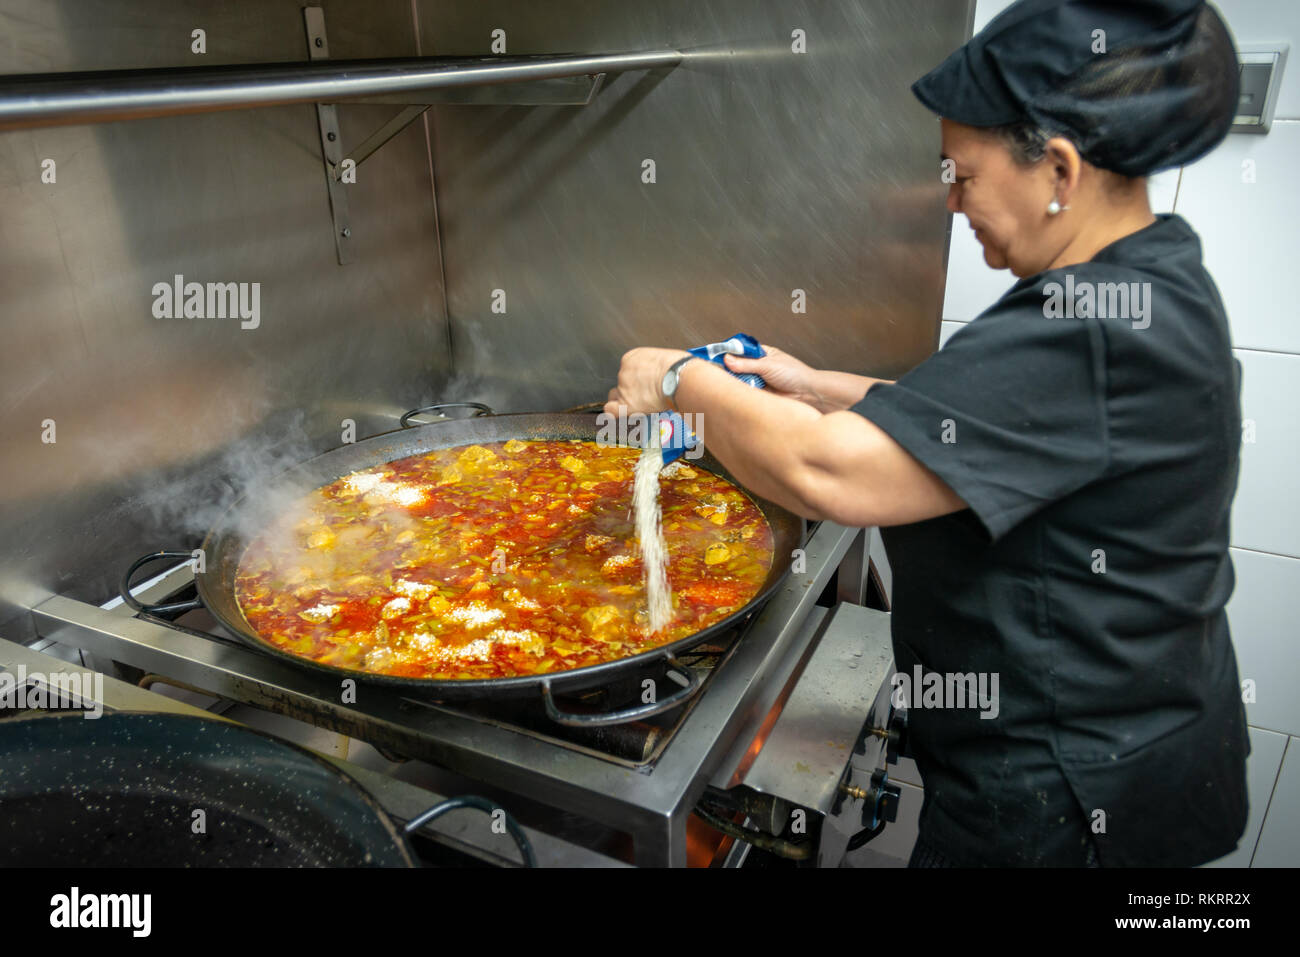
{"x":158,"y":421}
{"x":775,"y":171}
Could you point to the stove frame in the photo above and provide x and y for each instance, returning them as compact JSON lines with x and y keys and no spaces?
{"x":651,"y":803}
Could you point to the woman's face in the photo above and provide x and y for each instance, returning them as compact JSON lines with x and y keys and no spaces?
{"x":1006,"y":203}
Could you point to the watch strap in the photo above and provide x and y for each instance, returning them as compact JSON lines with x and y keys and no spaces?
{"x":674,"y":372}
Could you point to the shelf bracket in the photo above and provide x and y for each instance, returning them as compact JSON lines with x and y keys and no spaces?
{"x":331,"y":142}
{"x":554,"y":91}
{"x":561,"y":91}
{"x":401,"y":121}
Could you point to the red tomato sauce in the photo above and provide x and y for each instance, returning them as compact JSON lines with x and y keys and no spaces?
{"x":496,"y":560}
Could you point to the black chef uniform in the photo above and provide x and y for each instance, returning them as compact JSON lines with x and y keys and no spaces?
{"x":1098,"y":456}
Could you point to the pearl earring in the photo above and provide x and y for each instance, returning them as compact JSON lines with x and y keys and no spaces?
{"x":1054,"y":208}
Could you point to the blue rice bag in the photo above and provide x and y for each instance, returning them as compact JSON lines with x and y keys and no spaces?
{"x":675,"y":437}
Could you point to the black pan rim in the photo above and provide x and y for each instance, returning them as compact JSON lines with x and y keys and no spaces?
{"x":435,"y":689}
{"x":401,"y":845}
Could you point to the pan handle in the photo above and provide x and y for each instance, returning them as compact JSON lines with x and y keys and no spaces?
{"x":482,"y":410}
{"x":573,"y":720}
{"x":124,"y":588}
{"x":483,"y":804}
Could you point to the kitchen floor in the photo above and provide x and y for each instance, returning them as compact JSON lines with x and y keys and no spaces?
{"x":866,"y":857}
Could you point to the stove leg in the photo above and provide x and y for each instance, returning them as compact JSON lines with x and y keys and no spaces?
{"x":113,"y":669}
{"x":663,"y":845}
{"x":851,"y":576}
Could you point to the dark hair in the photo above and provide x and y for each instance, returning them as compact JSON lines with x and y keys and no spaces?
{"x":1027,"y":143}
{"x":1026,"y":140}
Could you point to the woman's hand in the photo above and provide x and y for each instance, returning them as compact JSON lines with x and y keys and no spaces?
{"x":641,"y":380}
{"x":784,"y":374}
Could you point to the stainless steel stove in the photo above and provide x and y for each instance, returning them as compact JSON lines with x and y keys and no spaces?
{"x":625,"y":792}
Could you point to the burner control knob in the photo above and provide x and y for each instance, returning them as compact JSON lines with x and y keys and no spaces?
{"x":897,"y":744}
{"x":894,"y":736}
{"x":881,"y":801}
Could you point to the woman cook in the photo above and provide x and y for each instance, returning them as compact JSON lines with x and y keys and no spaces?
{"x":1054,"y":485}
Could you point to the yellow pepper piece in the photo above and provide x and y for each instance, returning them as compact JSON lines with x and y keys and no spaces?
{"x":716,"y":554}
{"x":600,"y":616}
{"x":475,"y":456}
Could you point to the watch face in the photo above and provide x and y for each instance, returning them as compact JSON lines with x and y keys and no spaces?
{"x":670,"y":382}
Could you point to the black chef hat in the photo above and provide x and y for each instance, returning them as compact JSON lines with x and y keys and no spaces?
{"x":1163,"y":93}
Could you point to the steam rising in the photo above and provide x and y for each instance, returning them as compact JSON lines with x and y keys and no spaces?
{"x":186,"y":502}
{"x":184,"y":506}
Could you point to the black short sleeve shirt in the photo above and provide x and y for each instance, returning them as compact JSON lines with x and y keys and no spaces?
{"x":1091,"y":421}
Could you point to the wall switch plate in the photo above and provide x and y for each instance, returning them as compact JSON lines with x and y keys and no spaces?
{"x":1260,"y":67}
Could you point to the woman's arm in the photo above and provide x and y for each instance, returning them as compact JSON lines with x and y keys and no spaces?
{"x":823,"y":389}
{"x":837,"y":466}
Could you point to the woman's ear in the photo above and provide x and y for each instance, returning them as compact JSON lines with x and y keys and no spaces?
{"x":1066,"y":165}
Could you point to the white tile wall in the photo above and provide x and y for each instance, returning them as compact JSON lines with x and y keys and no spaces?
{"x":1162,"y":190}
{"x":1279,"y":839}
{"x":1265,"y":21}
{"x":1263,"y":613}
{"x":1266,"y":749}
{"x":1248,"y":231}
{"x":1265,"y":516}
{"x":986,"y":10}
{"x":946,"y":330}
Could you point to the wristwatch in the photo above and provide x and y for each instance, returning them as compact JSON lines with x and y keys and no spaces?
{"x":671,"y":378}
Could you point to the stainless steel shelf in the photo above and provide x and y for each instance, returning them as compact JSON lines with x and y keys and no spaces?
{"x":63,"y":99}
{"x":59,"y":99}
